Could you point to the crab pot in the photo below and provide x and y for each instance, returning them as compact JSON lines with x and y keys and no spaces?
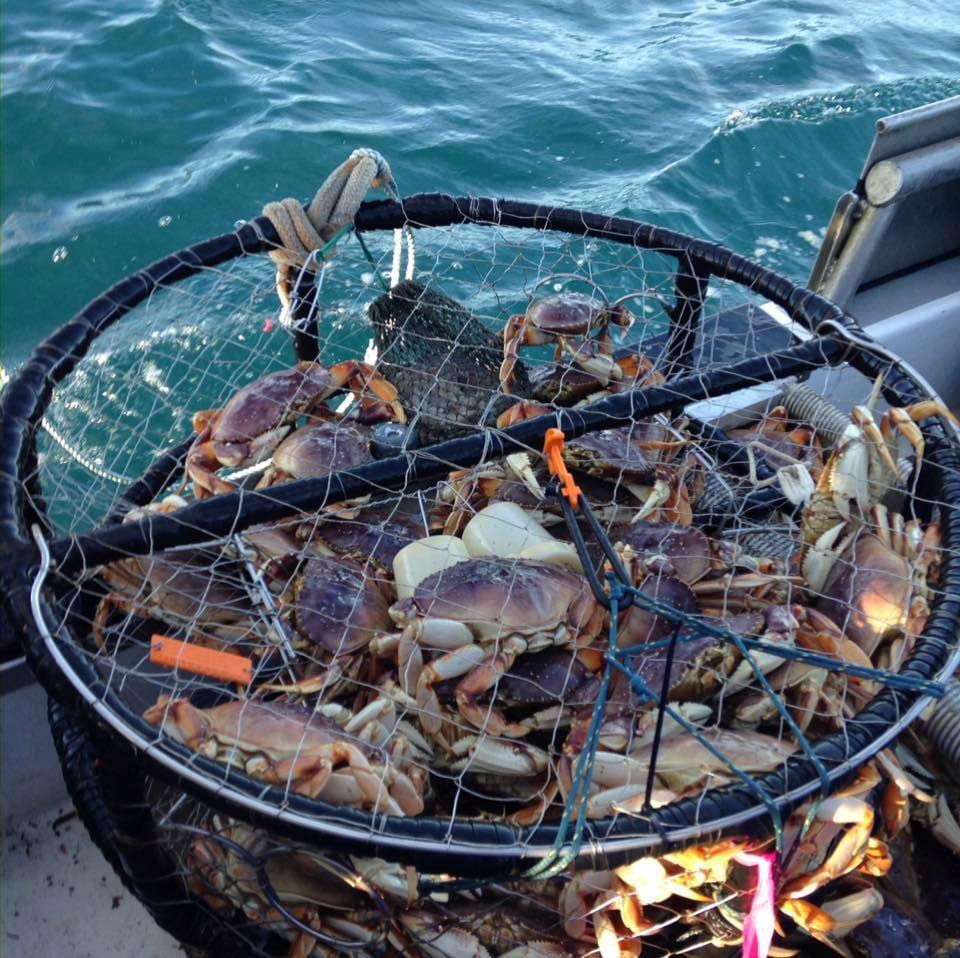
{"x":332,"y":664}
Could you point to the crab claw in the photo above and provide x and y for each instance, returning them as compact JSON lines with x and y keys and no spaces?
{"x":851,"y":471}
{"x":849,"y":818}
{"x":499,"y":757}
{"x":796,"y":483}
{"x":590,"y":356}
{"x":360,"y":377}
{"x":820,"y":558}
{"x":526,"y":409}
{"x":637,"y":370}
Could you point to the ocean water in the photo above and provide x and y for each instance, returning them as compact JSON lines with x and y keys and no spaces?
{"x":133,"y":128}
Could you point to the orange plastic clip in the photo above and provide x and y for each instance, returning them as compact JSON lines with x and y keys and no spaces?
{"x":224,"y":666}
{"x":553,"y":450}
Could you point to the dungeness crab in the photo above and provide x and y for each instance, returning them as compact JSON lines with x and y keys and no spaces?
{"x":291,"y":746}
{"x":482,"y":614}
{"x":257,"y":417}
{"x":558,"y":318}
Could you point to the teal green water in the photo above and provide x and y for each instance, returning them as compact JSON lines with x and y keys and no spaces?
{"x":133,"y":128}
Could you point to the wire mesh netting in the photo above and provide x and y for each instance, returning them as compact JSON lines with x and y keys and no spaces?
{"x":421,"y":678}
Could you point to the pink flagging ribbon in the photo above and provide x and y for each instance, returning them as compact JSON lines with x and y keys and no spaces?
{"x":758,"y":925}
{"x":267,"y":325}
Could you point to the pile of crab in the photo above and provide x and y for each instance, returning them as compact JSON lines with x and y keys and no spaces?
{"x":695,"y":899}
{"x":441,"y":653}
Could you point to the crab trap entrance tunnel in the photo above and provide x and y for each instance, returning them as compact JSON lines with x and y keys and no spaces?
{"x":370,"y":666}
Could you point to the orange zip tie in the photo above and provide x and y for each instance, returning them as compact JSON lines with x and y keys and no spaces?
{"x":553,"y":450}
{"x":224,"y":666}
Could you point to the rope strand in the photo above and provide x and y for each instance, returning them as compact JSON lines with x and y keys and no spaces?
{"x":329,"y":215}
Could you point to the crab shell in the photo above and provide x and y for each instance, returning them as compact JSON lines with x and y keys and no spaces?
{"x":700,"y":664}
{"x":482,"y":928}
{"x":183,"y":584}
{"x":375,"y":534}
{"x":296,"y":876}
{"x":868,"y":592}
{"x":335,"y":604}
{"x":501,"y":597}
{"x":561,"y":383}
{"x":260,"y":415}
{"x":544,"y":678}
{"x":574,"y":313}
{"x":277,"y":729}
{"x":180,"y":588}
{"x":630,"y":452}
{"x":684,"y":763}
{"x":638,"y":625}
{"x":680,"y":551}
{"x":539,"y":679}
{"x":254,"y":413}
{"x":862,"y":467}
{"x":319,"y":449}
{"x":262,"y":738}
{"x":565,"y":384}
{"x":291,"y":746}
{"x":808,"y":692}
{"x":301,"y":886}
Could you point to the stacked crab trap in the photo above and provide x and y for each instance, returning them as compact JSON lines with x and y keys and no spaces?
{"x":512,"y":592}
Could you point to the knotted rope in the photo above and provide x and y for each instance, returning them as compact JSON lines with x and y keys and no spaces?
{"x":303,"y":232}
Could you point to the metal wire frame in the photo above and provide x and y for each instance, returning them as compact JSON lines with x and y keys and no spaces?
{"x":479,"y":848}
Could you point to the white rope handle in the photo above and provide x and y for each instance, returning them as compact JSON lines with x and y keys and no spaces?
{"x":335,"y":204}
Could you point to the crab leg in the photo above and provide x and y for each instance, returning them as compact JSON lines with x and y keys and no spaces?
{"x":516,"y":334}
{"x":847,"y":853}
{"x":504,"y":758}
{"x":904,"y":420}
{"x":483,"y":671}
{"x":480,"y":680}
{"x":593,"y":357}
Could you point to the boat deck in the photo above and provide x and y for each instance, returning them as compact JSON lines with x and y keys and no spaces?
{"x":60,"y":896}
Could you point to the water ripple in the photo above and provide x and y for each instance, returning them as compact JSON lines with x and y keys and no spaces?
{"x":738,"y":119}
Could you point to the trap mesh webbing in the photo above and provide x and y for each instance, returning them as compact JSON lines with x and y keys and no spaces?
{"x":463,"y":752}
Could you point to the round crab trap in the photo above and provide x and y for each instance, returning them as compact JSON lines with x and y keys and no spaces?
{"x":532,"y":578}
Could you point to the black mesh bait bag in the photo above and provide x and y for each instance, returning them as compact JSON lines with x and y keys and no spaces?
{"x":512,"y":593}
